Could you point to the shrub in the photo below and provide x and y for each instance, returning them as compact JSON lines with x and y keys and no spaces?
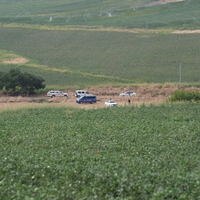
{"x":185,"y":95}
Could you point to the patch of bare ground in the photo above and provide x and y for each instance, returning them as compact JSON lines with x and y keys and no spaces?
{"x":186,"y":31}
{"x":154,"y":3}
{"x":170,"y":1}
{"x":153,"y":94}
{"x":16,"y":61}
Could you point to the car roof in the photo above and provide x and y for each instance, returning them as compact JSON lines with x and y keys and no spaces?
{"x":88,"y":95}
{"x":54,"y":91}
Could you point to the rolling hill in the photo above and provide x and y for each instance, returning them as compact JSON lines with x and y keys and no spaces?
{"x":83,"y":43}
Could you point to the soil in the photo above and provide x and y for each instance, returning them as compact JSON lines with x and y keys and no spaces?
{"x":16,"y":60}
{"x":186,"y":31}
{"x":162,"y":2}
{"x":153,"y":94}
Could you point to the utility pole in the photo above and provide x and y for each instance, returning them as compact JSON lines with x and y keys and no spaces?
{"x":180,"y":75}
{"x":146,"y":25}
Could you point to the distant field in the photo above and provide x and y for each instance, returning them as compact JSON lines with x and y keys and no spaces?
{"x":116,"y":57}
{"x":77,"y":44}
{"x":112,"y":153}
{"x":126,"y":13}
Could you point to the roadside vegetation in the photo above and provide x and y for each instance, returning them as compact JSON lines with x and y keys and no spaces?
{"x":185,"y":95}
{"x":114,"y":153}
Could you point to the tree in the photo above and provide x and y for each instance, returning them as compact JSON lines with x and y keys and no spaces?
{"x":23,"y":82}
{"x":1,"y":81}
{"x":11,"y":79}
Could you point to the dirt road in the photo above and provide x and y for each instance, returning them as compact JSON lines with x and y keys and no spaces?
{"x":154,"y":94}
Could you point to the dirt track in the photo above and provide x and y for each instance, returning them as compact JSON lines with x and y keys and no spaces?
{"x":145,"y":94}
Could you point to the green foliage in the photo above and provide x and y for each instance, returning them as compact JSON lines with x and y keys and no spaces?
{"x":15,"y":80}
{"x":185,"y":95}
{"x":10,"y":80}
{"x":111,"y":153}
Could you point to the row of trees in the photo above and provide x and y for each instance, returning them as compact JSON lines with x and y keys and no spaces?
{"x":15,"y":80}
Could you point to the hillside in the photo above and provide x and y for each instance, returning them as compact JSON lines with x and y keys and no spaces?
{"x":72,"y":47}
{"x":83,"y":58}
{"x":131,"y":14}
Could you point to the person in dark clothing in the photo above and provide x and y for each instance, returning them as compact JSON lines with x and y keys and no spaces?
{"x":129,"y":101}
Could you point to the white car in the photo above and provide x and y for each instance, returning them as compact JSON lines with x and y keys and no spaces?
{"x":128,"y":93}
{"x":56,"y":94}
{"x":110,"y":103}
{"x":80,"y":93}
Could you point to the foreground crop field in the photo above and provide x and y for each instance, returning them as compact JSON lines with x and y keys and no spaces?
{"x":112,"y":153}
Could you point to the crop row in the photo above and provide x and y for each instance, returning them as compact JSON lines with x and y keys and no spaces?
{"x":111,"y":153}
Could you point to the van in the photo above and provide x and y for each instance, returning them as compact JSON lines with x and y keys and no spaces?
{"x":80,"y":93}
{"x":87,"y":99}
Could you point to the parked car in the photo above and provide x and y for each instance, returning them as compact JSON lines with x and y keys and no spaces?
{"x":87,"y":99}
{"x":80,"y":93}
{"x":110,"y":103}
{"x":56,"y":94}
{"x":128,"y":93}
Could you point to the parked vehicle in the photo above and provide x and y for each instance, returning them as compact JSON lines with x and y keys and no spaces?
{"x":80,"y":93}
{"x":128,"y":93}
{"x":110,"y":103}
{"x":87,"y":99}
{"x":56,"y":94}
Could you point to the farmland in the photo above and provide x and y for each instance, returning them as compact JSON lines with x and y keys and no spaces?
{"x":52,"y":149}
{"x":114,"y":153}
{"x":99,"y":43}
{"x":131,"y":14}
{"x":84,"y":58}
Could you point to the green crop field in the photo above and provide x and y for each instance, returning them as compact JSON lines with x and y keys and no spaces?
{"x":76,"y":44}
{"x":111,"y":153}
{"x":126,"y":57}
{"x":126,"y":13}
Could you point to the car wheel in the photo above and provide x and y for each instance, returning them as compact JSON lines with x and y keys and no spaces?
{"x":52,"y":96}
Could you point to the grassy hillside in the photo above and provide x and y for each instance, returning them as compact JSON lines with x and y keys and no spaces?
{"x":126,"y":13}
{"x":60,"y":45}
{"x":115,"y":56}
{"x":114,"y":153}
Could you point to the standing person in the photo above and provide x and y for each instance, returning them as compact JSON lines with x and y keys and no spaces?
{"x":129,"y":101}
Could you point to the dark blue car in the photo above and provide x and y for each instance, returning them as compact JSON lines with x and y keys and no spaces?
{"x":87,"y":99}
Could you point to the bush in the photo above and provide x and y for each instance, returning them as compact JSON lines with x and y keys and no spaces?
{"x":185,"y":95}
